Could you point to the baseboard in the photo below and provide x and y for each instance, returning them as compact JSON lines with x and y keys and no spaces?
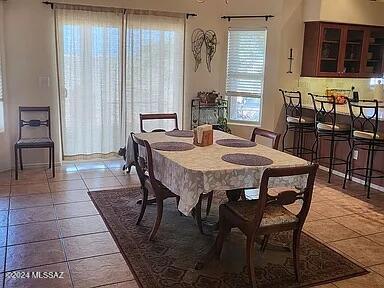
{"x":354,"y":179}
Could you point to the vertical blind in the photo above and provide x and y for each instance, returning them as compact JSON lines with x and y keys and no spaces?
{"x":112,"y":67}
{"x":246,"y":62}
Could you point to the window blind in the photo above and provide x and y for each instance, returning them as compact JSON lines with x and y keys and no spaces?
{"x":246,"y":62}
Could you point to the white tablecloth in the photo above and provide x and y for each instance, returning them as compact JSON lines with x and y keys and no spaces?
{"x":201,"y":170}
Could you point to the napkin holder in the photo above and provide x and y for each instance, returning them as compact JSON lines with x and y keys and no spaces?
{"x":206,"y":140}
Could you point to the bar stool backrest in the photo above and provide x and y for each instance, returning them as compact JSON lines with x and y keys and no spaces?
{"x":325,"y":109}
{"x":364,"y":115}
{"x":292,"y":104}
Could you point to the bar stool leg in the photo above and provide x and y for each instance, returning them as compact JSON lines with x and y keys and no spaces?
{"x":331,"y":154}
{"x":367,"y":165}
{"x":285,"y":134}
{"x":349,"y":166}
{"x":349,"y":163}
{"x":301,"y":141}
{"x":370,"y":172}
{"x":315,"y":147}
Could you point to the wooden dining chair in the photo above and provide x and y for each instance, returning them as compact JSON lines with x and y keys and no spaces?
{"x":275,"y":137}
{"x":151,"y":117}
{"x":266,"y":216}
{"x":34,"y":142}
{"x":150,"y":185}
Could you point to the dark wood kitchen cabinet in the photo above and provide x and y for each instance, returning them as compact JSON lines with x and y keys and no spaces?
{"x":342,"y":50}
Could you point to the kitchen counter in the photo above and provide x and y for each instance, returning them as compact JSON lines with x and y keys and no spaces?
{"x":343,"y":109}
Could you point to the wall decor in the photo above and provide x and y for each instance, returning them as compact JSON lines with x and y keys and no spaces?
{"x":290,"y":61}
{"x":198,"y":38}
{"x":209,"y":38}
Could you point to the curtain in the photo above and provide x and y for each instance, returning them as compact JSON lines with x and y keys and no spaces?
{"x":1,"y":69}
{"x":112,"y":67}
{"x":154,"y":68}
{"x":89,"y":47}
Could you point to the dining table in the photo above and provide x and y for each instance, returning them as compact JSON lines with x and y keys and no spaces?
{"x":201,"y":170}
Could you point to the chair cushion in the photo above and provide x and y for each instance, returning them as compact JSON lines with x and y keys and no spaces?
{"x":273,"y":214}
{"x":35,"y":142}
{"x":304,"y":120}
{"x":368,"y":135}
{"x":338,"y":127}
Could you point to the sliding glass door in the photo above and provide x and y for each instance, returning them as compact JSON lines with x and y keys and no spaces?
{"x":112,"y":67}
{"x":89,"y":49}
{"x":154,"y":67}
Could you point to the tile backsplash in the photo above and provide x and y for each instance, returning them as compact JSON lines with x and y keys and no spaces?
{"x":364,"y":86}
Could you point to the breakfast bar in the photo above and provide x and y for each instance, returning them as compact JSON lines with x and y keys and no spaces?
{"x":342,"y":148}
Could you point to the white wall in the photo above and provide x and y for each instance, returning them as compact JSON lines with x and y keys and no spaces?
{"x":30,"y":50}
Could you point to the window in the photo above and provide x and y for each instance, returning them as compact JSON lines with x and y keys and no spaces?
{"x":245,"y":74}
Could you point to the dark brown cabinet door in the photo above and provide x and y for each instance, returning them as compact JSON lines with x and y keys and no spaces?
{"x":330,"y":50}
{"x":373,"y":60}
{"x":342,"y":50}
{"x":352,"y":50}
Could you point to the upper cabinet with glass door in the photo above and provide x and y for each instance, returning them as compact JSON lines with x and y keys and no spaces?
{"x":374,"y":60}
{"x":342,"y":50}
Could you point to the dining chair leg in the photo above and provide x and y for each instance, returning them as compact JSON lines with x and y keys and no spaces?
{"x":143,"y":205}
{"x":177,"y":205}
{"x":296,"y":260}
{"x":224,"y":230}
{"x":53,"y":162}
{"x":159,"y":205}
{"x":331,"y":155}
{"x":50,"y":158}
{"x":198,"y":215}
{"x":21,"y":159}
{"x":250,"y":261}
{"x":264,"y":243}
{"x":16,"y":164}
{"x":209,"y":203}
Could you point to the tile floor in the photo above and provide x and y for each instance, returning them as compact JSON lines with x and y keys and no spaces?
{"x":50,"y":224}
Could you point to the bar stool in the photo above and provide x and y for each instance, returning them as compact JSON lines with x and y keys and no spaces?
{"x":328,"y":129}
{"x":295,"y":121}
{"x":365,"y":136}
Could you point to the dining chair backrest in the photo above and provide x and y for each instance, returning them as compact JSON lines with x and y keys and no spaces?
{"x":144,"y":162}
{"x":364,"y":116}
{"x":292,"y":104}
{"x":34,"y":122}
{"x":286,"y":197}
{"x":325,"y":109}
{"x":275,"y":137}
{"x":152,"y":117}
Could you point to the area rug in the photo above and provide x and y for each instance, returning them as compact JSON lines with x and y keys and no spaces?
{"x":169,"y":260}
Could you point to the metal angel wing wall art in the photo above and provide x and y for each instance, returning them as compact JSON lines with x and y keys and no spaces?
{"x":199,"y":38}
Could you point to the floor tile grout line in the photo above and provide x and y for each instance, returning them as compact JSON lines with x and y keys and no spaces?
{"x":6,"y":239}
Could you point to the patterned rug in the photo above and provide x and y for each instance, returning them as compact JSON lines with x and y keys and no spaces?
{"x":169,"y":260}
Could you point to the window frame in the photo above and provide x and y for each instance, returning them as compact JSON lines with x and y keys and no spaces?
{"x":243,"y":94}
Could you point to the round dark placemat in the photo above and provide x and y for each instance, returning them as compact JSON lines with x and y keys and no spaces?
{"x":180,"y":133}
{"x":172,"y":146}
{"x":246,"y":159}
{"x":237,"y":143}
